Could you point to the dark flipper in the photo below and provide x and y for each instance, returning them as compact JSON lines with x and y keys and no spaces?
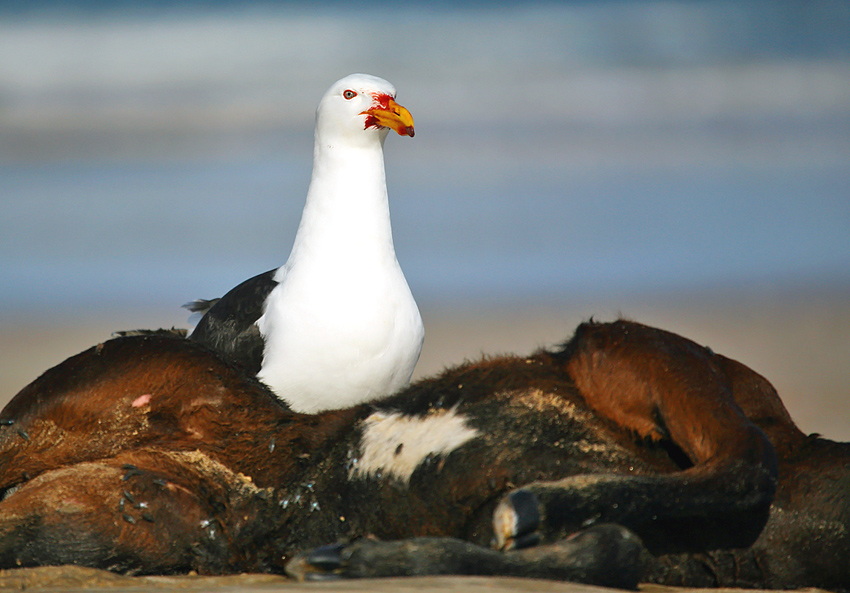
{"x":607,"y":555}
{"x":229,"y":326}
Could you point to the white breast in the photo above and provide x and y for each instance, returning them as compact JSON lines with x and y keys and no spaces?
{"x":340,"y":338}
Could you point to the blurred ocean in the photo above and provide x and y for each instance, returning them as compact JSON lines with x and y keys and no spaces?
{"x":156,"y":152}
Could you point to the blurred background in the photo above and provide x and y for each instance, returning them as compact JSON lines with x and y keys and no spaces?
{"x":682,"y":163}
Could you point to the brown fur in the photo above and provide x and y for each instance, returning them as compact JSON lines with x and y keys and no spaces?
{"x":151,"y":439}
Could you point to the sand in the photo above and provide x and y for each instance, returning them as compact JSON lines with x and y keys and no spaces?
{"x":800,"y":342}
{"x":72,"y":578}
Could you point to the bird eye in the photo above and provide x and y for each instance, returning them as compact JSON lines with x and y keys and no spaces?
{"x":349,"y":94}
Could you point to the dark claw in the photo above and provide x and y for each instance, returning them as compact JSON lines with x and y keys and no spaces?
{"x":130,"y":473}
{"x":7,"y":422}
{"x":23,"y":434}
{"x":129,"y":519}
{"x":528,"y":540}
{"x":148,"y":517}
{"x":527,"y":517}
{"x":129,"y":496}
{"x":326,"y":558}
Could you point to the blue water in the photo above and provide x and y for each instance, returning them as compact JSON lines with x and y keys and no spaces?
{"x":562,"y":150}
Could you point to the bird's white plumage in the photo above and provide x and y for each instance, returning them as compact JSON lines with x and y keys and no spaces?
{"x":342,"y":327}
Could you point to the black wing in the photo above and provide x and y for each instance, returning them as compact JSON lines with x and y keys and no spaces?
{"x":229,"y":325}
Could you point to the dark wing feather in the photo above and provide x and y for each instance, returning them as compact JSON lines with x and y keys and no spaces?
{"x":229,"y":325}
{"x":200,"y":305}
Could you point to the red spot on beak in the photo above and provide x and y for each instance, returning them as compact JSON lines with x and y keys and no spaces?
{"x":386,"y":113}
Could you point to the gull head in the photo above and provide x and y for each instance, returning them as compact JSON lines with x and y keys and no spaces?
{"x":361,"y":109}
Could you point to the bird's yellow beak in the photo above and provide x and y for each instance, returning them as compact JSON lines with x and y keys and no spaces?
{"x":393,"y":116}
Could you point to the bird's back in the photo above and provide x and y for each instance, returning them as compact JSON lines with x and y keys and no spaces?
{"x":230,"y":325}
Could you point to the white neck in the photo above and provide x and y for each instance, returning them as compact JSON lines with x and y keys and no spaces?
{"x":347,"y":210}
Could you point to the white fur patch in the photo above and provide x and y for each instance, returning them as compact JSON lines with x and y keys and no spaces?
{"x":395,"y":444}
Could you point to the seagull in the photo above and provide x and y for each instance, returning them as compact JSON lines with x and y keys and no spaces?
{"x":337,"y":324}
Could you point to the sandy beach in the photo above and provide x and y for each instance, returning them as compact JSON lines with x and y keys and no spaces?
{"x":800,"y":342}
{"x":71,"y":578}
